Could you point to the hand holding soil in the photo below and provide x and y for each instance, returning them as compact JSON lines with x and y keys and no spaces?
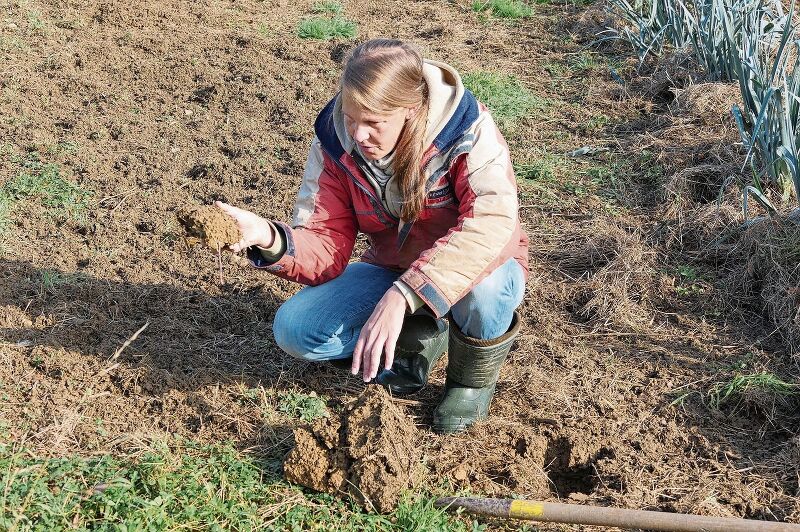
{"x":209,"y":225}
{"x":253,"y":229}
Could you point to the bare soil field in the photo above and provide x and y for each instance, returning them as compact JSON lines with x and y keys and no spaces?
{"x":614,"y":393}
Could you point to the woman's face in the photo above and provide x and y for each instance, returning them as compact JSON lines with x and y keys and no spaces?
{"x":376,"y":134}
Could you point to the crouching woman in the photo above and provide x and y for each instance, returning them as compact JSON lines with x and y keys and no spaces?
{"x":407,"y":156}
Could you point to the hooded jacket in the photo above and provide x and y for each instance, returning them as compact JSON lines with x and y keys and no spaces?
{"x":469,"y":225}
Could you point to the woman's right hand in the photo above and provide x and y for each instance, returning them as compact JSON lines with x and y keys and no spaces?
{"x":255,"y":230}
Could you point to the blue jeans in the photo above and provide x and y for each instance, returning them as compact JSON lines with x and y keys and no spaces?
{"x":323,"y":322}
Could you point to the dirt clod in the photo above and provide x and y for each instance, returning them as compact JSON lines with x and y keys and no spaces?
{"x":212,"y":226}
{"x":368,"y":453}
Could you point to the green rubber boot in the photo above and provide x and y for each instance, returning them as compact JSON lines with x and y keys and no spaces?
{"x":472,"y":370}
{"x":422,"y":342}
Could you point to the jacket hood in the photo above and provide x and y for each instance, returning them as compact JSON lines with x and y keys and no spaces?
{"x":452,"y":110}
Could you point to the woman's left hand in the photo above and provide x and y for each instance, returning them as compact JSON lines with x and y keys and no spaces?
{"x":379,"y":335}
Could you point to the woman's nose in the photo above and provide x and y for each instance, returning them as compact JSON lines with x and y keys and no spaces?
{"x":360,"y":134}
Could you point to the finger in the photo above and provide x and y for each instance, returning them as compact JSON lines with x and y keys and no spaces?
{"x":239,"y":246}
{"x":366,"y":360}
{"x":391,"y":342}
{"x":357,"y":353}
{"x":375,"y":359}
{"x":234,"y":212}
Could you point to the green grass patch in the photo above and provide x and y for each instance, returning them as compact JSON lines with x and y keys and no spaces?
{"x":13,"y":44}
{"x":507,"y":98}
{"x":183,"y":486}
{"x":584,"y":62}
{"x":555,"y":69}
{"x":328,"y":6}
{"x":302,"y":406}
{"x":507,"y":9}
{"x":62,"y":148}
{"x":596,"y":123}
{"x":542,"y":170}
{"x":50,"y":280}
{"x":35,"y":21}
{"x":42,"y":181}
{"x":741,"y":385}
{"x":602,"y":175}
{"x":326,"y":28}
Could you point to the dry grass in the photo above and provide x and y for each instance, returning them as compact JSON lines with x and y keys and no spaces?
{"x":764,"y":274}
{"x":613,"y":274}
{"x":707,"y":104}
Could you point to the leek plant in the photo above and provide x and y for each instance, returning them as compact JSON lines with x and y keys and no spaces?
{"x":652,"y":24}
{"x":714,"y":36}
{"x":768,"y":119}
{"x":752,"y":42}
{"x":708,"y":29}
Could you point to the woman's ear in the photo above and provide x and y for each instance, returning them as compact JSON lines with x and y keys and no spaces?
{"x":411,"y":112}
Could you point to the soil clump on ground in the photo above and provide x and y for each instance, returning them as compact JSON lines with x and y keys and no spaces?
{"x":368,"y":452}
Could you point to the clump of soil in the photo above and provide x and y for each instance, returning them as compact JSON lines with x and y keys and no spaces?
{"x":494,"y":457}
{"x":211,"y":226}
{"x":368,"y":453}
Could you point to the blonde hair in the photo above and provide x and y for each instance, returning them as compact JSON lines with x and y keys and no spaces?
{"x":380,"y":76}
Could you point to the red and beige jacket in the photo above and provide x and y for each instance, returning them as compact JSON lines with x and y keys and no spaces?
{"x":469,"y":225}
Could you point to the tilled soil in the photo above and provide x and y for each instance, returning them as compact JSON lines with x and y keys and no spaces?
{"x":156,"y":106}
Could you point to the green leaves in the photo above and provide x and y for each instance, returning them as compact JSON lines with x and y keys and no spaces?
{"x":508,"y":9}
{"x":305,"y":407}
{"x":740,"y":385}
{"x":748,"y":41}
{"x":334,"y":26}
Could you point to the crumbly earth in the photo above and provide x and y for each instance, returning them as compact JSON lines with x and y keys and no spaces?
{"x":212,"y":226}
{"x":370,"y":452}
{"x":628,"y":323}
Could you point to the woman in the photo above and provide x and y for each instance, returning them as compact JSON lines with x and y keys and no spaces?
{"x":406,"y":155}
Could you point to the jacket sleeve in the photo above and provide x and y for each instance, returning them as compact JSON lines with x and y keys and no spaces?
{"x":487,"y":232}
{"x":319,"y":243}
